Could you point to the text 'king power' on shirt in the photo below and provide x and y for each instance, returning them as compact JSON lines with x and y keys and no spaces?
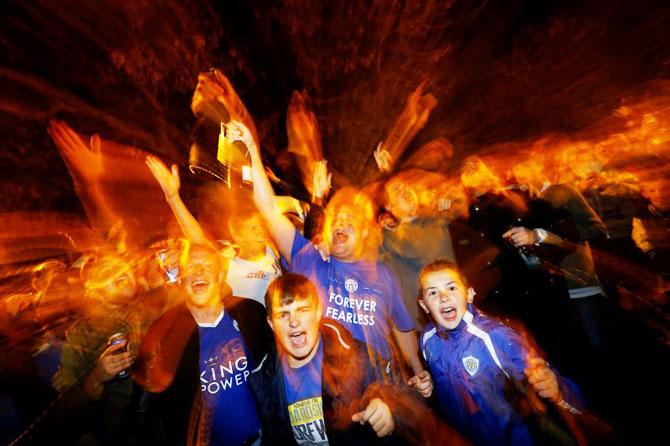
{"x":363,"y":297}
{"x":305,"y":404}
{"x":225,"y":366}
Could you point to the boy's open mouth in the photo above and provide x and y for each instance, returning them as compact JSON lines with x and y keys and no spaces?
{"x":298,"y":338}
{"x":448,"y":313}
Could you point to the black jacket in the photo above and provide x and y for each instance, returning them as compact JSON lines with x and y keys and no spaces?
{"x":348,"y":384}
{"x":168,"y":367}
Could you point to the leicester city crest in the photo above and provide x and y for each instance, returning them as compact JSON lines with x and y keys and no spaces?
{"x":351,"y":285}
{"x":471,"y":365}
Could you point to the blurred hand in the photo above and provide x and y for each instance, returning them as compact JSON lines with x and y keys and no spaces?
{"x":84,"y":161}
{"x":382,"y":158}
{"x":18,"y":303}
{"x":542,"y":379}
{"x":321,"y":181}
{"x":238,"y":131}
{"x":521,"y":236}
{"x":423,"y":383}
{"x":167,"y":179}
{"x":110,"y":364}
{"x":378,"y":415}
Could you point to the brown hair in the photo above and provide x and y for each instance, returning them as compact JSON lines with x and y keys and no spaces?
{"x":439,"y":265}
{"x":289,"y":288}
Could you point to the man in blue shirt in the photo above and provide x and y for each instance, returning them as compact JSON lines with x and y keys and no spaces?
{"x":198,"y":357}
{"x":355,"y":290}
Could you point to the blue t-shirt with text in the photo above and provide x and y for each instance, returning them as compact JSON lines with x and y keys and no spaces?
{"x":225,"y":366}
{"x":305,"y":404}
{"x":364,"y":297}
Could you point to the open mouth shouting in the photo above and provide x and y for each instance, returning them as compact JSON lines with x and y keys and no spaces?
{"x":340,"y":236}
{"x":298,"y":338}
{"x":199,"y":286}
{"x":449,"y":313}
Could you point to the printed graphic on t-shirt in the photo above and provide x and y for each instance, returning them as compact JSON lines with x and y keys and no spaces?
{"x":307,"y":422}
{"x":351,"y":308}
{"x":226,"y":369}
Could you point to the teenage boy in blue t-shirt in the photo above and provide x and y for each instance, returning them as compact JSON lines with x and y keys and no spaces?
{"x":321,"y":385}
{"x":472,"y":358}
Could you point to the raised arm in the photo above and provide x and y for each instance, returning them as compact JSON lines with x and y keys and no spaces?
{"x":169,"y":182}
{"x":85,"y":163}
{"x":280,"y":227}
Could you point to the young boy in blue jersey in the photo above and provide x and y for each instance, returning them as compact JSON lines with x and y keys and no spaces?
{"x":472,"y":358}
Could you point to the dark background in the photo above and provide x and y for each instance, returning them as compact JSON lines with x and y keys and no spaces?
{"x":502,"y":71}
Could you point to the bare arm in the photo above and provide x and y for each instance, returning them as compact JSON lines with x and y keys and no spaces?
{"x":86,"y":166}
{"x":409,"y":346}
{"x":280,"y":227}
{"x":169,"y":182}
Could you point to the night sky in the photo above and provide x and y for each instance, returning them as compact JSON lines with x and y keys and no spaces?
{"x":502,"y":71}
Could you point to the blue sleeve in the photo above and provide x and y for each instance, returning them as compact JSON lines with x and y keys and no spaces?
{"x":302,"y":254}
{"x":513,"y":349}
{"x":399,"y":314}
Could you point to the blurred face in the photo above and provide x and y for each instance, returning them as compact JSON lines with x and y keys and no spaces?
{"x":477,"y":178}
{"x":403,"y":202}
{"x":201,"y":278}
{"x":346,"y":235}
{"x":252,"y":235}
{"x":445,"y":297}
{"x":657,"y":192}
{"x":296,"y":328}
{"x":120,"y":288}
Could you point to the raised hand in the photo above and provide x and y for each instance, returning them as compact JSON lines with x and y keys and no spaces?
{"x":167,"y":179}
{"x":423,"y":383}
{"x":238,"y":131}
{"x":378,"y":415}
{"x":214,"y":86}
{"x":83,"y":160}
{"x":382,"y":158}
{"x":321,"y":180}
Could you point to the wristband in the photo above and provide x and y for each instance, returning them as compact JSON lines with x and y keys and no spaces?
{"x":541,"y":235}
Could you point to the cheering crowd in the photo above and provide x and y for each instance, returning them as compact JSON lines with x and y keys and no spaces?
{"x":485,"y":308}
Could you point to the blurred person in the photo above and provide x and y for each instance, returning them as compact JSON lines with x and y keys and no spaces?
{"x":93,"y":374}
{"x":254,"y":264}
{"x":33,"y":319}
{"x":197,"y":359}
{"x":322,"y":385}
{"x":531,"y":287}
{"x":655,"y":240}
{"x":477,"y":362}
{"x":355,"y":289}
{"x":412,"y":240}
{"x":584,"y":288}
